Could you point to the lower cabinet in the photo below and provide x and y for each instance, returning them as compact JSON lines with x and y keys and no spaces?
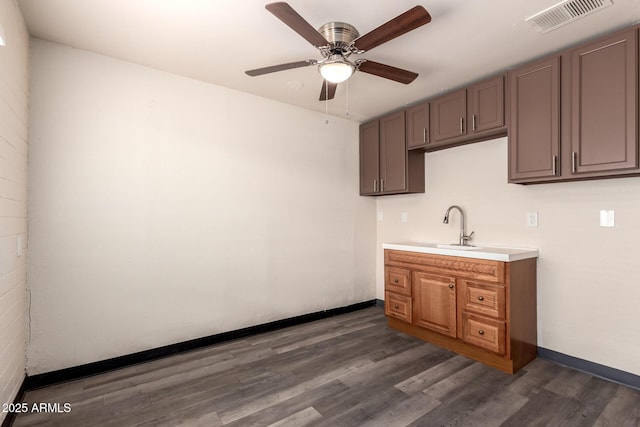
{"x":435,"y":306}
{"x":483,"y":309}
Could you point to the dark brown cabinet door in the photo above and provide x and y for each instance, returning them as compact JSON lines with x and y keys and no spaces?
{"x":486,"y":105}
{"x":604,"y":109}
{"x":369,"y":157}
{"x":534,"y":132}
{"x":393,"y":153}
{"x":434,"y":304}
{"x":418,"y":126}
{"x":449,"y":116}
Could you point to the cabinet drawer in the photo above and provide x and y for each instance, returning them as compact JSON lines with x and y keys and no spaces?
{"x":483,"y":298}
{"x":398,"y":306}
{"x":486,"y":333}
{"x":397,"y":280}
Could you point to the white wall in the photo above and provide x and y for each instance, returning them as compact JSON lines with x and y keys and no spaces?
{"x":164,"y":209}
{"x":14,"y":96}
{"x":588,"y":276}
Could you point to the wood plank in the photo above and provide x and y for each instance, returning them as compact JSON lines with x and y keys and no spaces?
{"x":371,"y":376}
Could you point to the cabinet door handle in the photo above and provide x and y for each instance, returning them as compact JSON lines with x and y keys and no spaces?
{"x":554,"y":165}
{"x":461,"y":124}
{"x":450,"y":285}
{"x":395,"y":280}
{"x":481,"y":332}
{"x":480,"y":298}
{"x":381,"y":185}
{"x":574,"y":160}
{"x":396,"y":306}
{"x":375,"y":185}
{"x":473,"y":124}
{"x":424,"y":134}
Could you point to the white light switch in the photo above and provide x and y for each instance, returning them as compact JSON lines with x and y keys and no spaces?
{"x":404,"y":217}
{"x":532,"y":219}
{"x":607,"y":218}
{"x":380,"y":216}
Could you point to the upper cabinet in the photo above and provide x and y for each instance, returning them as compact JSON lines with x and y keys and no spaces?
{"x":369,"y":157}
{"x":468,"y":115}
{"x":486,"y":105}
{"x":534,"y":132}
{"x":604,"y":106}
{"x":575,"y":115}
{"x":393,"y":154}
{"x":571,"y":116}
{"x":449,"y":116}
{"x":417,"y":126}
{"x":386,"y":165}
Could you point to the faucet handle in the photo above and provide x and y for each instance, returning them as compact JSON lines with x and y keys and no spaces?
{"x":465,"y":238}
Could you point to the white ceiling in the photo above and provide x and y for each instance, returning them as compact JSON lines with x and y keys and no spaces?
{"x":217,"y":40}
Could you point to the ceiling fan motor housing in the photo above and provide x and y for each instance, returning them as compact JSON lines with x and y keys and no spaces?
{"x":339,"y":34}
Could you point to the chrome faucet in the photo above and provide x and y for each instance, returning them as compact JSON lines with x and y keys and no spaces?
{"x":463,"y":238}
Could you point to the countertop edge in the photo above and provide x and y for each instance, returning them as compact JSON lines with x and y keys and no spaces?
{"x":514,"y":254}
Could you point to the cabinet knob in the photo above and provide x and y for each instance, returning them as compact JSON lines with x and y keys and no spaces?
{"x":396,"y":306}
{"x":395,"y":280}
{"x":481,"y":332}
{"x":480,"y":298}
{"x":450,"y":285}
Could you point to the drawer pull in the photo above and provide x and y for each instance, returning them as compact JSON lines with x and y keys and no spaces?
{"x":450,"y":285}
{"x":481,"y":332}
{"x":395,"y":280}
{"x":480,"y":298}
{"x":396,"y":306}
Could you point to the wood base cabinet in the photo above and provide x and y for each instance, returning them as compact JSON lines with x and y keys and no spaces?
{"x":483,"y":309}
{"x":435,"y":306}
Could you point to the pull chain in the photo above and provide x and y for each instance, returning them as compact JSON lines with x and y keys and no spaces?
{"x":326,"y":102}
{"x":347,"y":106}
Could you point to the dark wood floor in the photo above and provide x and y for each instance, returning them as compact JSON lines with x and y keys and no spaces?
{"x":349,"y":370}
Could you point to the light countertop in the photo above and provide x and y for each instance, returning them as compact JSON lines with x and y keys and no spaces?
{"x":493,"y":253}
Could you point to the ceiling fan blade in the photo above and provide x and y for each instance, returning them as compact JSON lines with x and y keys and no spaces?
{"x":401,"y":24}
{"x":297,"y":23}
{"x":328,"y":92}
{"x":387,"y":71}
{"x":281,"y":67}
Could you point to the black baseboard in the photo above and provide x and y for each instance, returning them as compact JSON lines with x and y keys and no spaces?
{"x":89,"y":369}
{"x":380,"y":303}
{"x":11,"y":416}
{"x":601,"y":371}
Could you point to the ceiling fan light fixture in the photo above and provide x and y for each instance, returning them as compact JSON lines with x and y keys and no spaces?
{"x":336,"y":69}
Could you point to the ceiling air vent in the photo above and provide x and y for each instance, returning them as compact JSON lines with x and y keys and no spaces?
{"x":564,"y":12}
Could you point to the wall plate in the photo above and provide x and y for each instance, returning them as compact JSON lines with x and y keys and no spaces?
{"x":607,"y":218}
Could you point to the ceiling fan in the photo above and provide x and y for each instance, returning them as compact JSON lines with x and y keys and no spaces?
{"x":337,"y":41}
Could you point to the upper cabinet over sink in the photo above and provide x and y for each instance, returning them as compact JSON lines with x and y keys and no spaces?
{"x":575,"y":115}
{"x":468,"y":115}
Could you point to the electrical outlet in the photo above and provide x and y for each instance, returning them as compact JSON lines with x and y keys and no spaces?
{"x":532,"y":219}
{"x":380,"y":216}
{"x":607,"y":218}
{"x":404,"y":217}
